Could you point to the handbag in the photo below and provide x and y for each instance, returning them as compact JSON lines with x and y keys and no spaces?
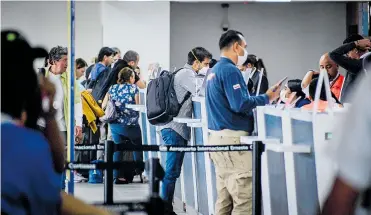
{"x":110,"y":114}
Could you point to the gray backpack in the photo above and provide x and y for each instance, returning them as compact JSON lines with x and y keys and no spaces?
{"x":162,"y":104}
{"x":110,"y":114}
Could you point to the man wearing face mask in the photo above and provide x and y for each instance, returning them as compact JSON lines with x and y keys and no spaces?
{"x":178,"y":134}
{"x":229,"y":108}
{"x":336,"y":79}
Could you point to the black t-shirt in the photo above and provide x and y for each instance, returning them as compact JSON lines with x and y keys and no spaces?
{"x":119,"y":65}
{"x":106,"y":79}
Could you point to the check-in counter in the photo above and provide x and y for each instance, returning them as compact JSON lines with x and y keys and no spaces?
{"x":296,"y":174}
{"x":297,"y":160}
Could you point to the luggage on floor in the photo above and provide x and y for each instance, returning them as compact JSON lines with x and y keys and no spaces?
{"x":96,"y":175}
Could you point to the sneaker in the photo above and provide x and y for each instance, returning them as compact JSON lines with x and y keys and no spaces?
{"x":120,"y":181}
{"x":144,"y":179}
{"x":78,"y":178}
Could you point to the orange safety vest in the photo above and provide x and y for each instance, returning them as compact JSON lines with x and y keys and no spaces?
{"x":337,"y":85}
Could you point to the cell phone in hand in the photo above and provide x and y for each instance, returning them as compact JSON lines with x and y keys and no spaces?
{"x":282,"y":80}
{"x":279,"y":84}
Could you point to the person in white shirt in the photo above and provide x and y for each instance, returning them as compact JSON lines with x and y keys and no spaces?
{"x":353,"y":155}
{"x":57,"y":75}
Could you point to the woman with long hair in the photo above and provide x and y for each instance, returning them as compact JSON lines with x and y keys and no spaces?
{"x":126,"y":126}
{"x":251,"y":71}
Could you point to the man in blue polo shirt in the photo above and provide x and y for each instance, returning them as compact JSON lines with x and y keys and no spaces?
{"x":229,"y":112}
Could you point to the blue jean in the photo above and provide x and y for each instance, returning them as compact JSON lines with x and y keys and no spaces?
{"x":121,"y":132}
{"x":174,"y":161}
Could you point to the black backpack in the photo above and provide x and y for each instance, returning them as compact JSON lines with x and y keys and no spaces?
{"x":101,"y":85}
{"x":162,"y":103}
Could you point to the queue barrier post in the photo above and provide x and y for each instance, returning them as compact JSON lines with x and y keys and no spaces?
{"x":156,"y":174}
{"x":258,"y":149}
{"x":108,"y":173}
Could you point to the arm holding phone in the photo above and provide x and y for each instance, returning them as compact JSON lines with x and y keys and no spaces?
{"x":273,"y":93}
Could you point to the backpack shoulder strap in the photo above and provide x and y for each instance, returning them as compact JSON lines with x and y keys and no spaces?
{"x":188,"y":94}
{"x":177,"y":70}
{"x":186,"y":97}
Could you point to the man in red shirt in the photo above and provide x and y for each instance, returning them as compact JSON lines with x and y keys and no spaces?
{"x":336,"y":79}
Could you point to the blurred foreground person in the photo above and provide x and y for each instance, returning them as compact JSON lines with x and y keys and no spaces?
{"x":353,"y":156}
{"x":30,"y":183}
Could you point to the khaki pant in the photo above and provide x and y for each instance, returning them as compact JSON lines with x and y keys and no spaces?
{"x":233,"y":174}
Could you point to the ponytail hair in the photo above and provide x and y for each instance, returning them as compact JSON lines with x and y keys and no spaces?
{"x":260,"y":65}
{"x":124,"y":75}
{"x":255,"y":62}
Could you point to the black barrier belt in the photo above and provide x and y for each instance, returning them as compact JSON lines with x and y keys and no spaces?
{"x":104,"y":165}
{"x":166,"y":148}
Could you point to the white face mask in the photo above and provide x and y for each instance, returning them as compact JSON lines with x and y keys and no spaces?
{"x":203,"y":71}
{"x":283,"y":96}
{"x":248,"y":72}
{"x":242,"y":59}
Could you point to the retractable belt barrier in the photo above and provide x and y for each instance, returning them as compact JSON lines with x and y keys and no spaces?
{"x":167,"y":148}
{"x":154,"y":205}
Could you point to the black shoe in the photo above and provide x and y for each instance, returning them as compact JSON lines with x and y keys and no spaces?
{"x":169,"y":209}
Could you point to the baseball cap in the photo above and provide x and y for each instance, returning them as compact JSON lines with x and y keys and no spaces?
{"x":14,"y":47}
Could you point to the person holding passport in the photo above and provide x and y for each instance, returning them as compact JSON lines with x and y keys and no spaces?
{"x":229,"y":109}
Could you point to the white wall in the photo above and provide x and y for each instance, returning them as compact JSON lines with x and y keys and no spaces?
{"x":289,"y":37}
{"x":45,"y":24}
{"x":140,"y":26}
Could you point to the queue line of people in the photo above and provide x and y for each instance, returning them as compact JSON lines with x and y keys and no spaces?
{"x":234,"y":86}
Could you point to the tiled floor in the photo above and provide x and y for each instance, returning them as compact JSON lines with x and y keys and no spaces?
{"x":94,"y":193}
